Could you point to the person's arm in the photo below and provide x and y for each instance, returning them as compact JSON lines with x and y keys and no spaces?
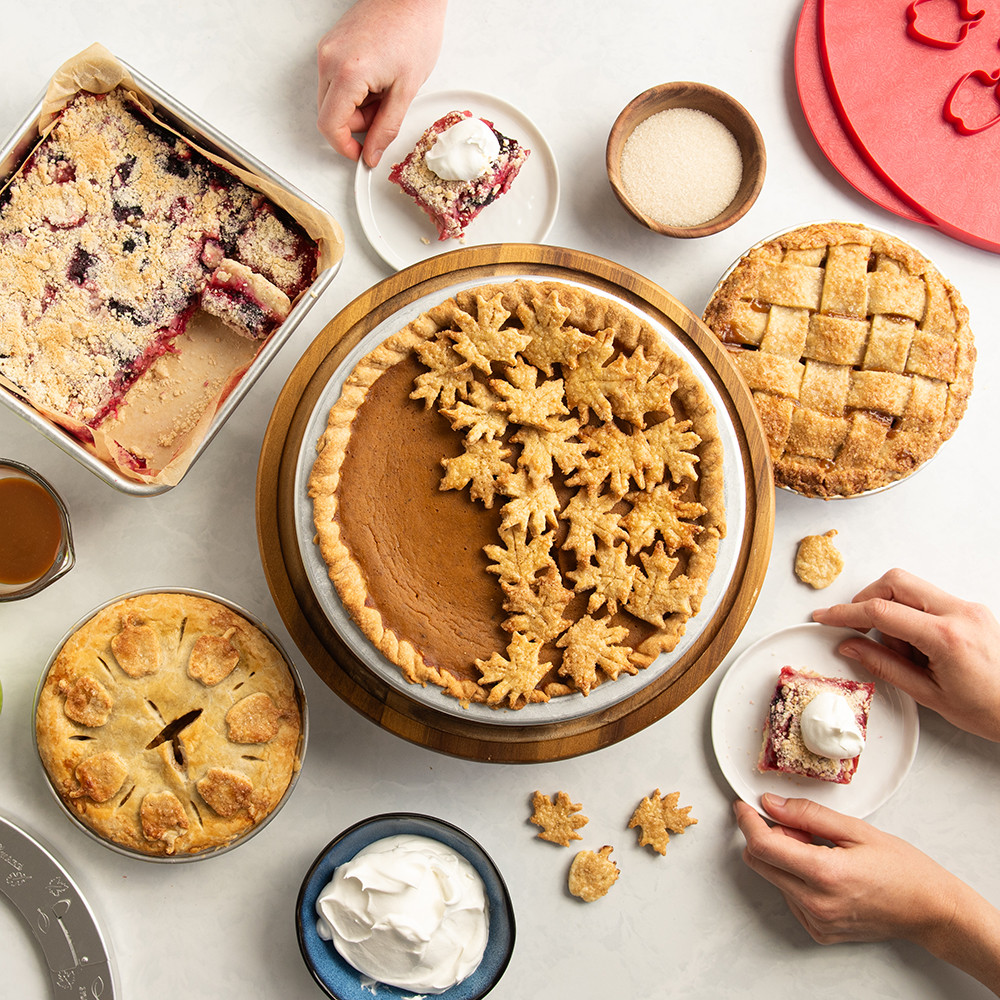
{"x":869,"y":885}
{"x":371,"y":64}
{"x":942,"y":650}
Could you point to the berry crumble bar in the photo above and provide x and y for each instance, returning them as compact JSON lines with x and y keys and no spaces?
{"x":113,"y":233}
{"x":783,"y":747}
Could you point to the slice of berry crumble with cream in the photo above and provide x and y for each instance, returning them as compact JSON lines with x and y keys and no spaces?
{"x":816,"y":726}
{"x":458,"y":166}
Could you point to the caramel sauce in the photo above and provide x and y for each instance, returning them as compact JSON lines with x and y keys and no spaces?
{"x":31,"y":532}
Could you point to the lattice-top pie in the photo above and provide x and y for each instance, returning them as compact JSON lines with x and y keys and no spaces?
{"x":112,"y":233}
{"x":520,"y":494}
{"x":169,"y":724}
{"x":857,"y":351}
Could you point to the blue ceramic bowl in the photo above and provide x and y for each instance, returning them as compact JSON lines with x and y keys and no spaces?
{"x":342,"y":981}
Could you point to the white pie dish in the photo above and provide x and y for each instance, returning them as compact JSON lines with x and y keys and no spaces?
{"x":563,"y":708}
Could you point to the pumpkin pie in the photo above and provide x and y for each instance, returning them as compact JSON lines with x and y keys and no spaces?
{"x":857,"y":350}
{"x":453,"y":203}
{"x":169,"y":724}
{"x":519,"y":495}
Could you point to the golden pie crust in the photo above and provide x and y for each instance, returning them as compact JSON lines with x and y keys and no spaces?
{"x":169,"y":724}
{"x":520,"y":494}
{"x":856,"y":349}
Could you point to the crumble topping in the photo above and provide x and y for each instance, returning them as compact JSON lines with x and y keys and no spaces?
{"x":108,"y":234}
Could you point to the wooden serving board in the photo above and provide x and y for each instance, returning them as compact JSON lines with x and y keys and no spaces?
{"x":309,"y":626}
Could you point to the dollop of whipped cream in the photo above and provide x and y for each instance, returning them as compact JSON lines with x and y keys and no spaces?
{"x":829,"y":727}
{"x":464,"y":151}
{"x":407,"y":911}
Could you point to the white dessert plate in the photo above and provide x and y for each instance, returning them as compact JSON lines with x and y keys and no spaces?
{"x":741,"y":704}
{"x":402,"y":234}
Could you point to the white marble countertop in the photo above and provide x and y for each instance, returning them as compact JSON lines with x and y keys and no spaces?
{"x":694,"y":923}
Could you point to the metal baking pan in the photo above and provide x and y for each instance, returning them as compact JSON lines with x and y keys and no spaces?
{"x":193,"y":127}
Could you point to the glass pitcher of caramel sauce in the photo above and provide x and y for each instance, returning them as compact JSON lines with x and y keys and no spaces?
{"x":36,"y":543}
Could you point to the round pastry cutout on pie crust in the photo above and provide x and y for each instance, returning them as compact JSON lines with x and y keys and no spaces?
{"x":170,"y":725}
{"x":857,"y":350}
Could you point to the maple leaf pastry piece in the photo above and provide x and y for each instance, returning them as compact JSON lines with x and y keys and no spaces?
{"x":816,"y":726}
{"x":559,"y":817}
{"x":857,"y":351}
{"x":564,"y":494}
{"x":169,"y":725}
{"x":459,"y":165}
{"x":113,"y":232}
{"x":656,"y":817}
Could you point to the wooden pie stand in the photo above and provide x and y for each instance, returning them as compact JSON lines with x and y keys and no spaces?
{"x":327,"y":652}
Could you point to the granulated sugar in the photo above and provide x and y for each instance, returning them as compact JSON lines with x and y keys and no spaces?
{"x":681,"y":167}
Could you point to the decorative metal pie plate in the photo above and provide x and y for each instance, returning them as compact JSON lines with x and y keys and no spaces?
{"x":76,"y":955}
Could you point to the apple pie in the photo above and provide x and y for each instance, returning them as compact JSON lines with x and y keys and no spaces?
{"x":169,"y":724}
{"x":520,"y":494}
{"x":856,"y":349}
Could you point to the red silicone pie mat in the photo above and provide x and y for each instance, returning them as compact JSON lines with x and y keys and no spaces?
{"x":824,"y":121}
{"x":894,"y":88}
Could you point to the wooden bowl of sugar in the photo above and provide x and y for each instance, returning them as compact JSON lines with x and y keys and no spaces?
{"x":686,"y":159}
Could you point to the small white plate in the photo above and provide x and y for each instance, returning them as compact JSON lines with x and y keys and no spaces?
{"x":402,"y":234}
{"x":741,"y":705}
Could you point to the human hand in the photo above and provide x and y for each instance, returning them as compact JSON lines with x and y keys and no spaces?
{"x":867,"y":885}
{"x":371,"y":65}
{"x":942,"y":650}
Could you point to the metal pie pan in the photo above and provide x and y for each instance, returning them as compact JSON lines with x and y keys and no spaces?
{"x":300,"y":748}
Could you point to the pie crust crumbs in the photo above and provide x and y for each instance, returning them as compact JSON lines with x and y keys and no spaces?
{"x":169,"y":724}
{"x":857,"y":351}
{"x":595,"y":451}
